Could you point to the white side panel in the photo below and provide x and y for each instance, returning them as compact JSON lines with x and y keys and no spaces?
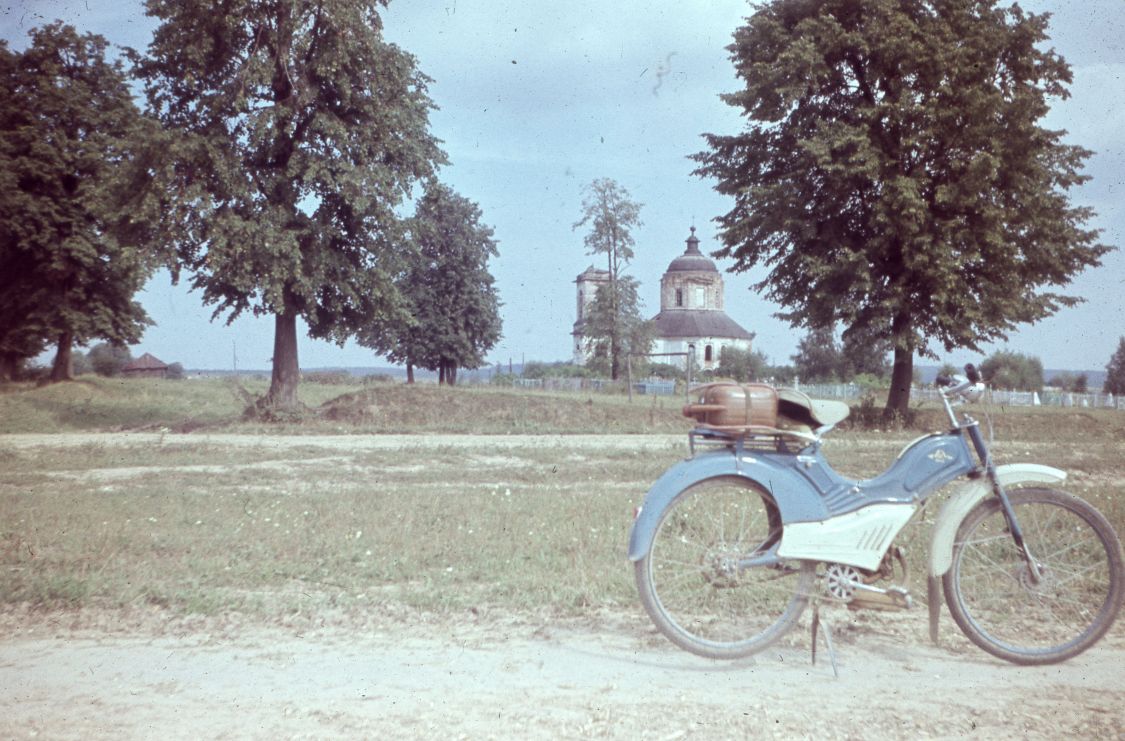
{"x":957,"y":507}
{"x":857,"y":538}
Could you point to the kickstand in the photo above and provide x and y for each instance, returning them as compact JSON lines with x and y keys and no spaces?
{"x":816,"y":624}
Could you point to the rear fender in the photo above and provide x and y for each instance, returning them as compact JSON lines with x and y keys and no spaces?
{"x":968,"y":495}
{"x":796,"y":499}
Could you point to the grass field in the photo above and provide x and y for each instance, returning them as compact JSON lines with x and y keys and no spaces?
{"x":98,"y":404}
{"x":295,"y":521}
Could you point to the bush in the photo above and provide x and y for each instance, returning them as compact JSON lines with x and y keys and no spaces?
{"x":536,"y":369}
{"x":80,"y":364}
{"x":869,"y":382}
{"x":868,"y":414}
{"x":108,"y":360}
{"x":328,"y":378}
{"x":503,"y":379}
{"x":666,"y":371}
{"x":175,"y":372}
{"x":1013,"y":371}
{"x":742,"y":365}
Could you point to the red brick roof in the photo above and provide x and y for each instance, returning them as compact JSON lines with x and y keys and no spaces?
{"x":145,"y":362}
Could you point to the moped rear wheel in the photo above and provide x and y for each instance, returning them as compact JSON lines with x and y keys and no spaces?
{"x":1003,"y":608}
{"x":691,"y":583}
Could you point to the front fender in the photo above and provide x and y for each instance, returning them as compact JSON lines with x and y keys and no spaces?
{"x":796,"y":499}
{"x":958,"y":506}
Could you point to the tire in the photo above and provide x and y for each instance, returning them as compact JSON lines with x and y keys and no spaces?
{"x":989,"y":589}
{"x":688,"y":584}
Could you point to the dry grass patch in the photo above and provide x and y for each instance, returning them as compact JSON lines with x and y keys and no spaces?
{"x":193,"y":525}
{"x":530,"y":527}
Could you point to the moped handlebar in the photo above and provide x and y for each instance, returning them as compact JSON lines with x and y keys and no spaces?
{"x":962,"y":388}
{"x":971,"y":378}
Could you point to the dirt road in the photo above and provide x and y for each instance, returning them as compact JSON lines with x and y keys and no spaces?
{"x":344,"y":442}
{"x":508,"y":677}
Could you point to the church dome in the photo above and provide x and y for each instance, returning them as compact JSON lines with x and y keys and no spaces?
{"x":692,"y":261}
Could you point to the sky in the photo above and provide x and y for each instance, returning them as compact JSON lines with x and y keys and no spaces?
{"x":537,"y":99}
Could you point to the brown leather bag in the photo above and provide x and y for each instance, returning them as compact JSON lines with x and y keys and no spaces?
{"x":732,"y":406}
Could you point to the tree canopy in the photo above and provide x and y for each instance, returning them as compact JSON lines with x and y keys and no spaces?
{"x":821,"y":358}
{"x":451,"y":314}
{"x":1115,"y":371}
{"x":743,"y":365}
{"x":107,"y":359}
{"x":298,"y":132}
{"x":611,"y":215}
{"x":1013,"y":371}
{"x":68,"y":133}
{"x":893,"y":175}
{"x":614,"y":327}
{"x":818,"y":358}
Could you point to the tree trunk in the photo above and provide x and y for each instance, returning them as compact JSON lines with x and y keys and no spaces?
{"x":409,"y":373}
{"x":286,"y":371}
{"x":902,"y":376}
{"x":451,"y":374}
{"x":8,"y":364}
{"x":62,"y":369}
{"x":441,"y":373}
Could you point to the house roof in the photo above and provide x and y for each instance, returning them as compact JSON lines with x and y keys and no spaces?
{"x":145,"y":362}
{"x":698,"y":323}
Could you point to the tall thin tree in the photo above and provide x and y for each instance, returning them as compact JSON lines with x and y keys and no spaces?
{"x":611,"y":215}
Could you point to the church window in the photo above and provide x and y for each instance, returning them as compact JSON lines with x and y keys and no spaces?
{"x":679,"y":297}
{"x":708,"y":354}
{"x":700,"y":300}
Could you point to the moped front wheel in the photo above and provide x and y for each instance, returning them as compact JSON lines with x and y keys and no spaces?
{"x":693,"y":581}
{"x":1029,"y":618}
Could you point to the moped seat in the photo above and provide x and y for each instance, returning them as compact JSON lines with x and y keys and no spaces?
{"x":797,"y":408}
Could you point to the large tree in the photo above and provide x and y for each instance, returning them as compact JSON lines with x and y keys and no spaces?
{"x":299,"y":130}
{"x":452,"y":312}
{"x":611,"y":215}
{"x":893,"y":174}
{"x":69,"y":132}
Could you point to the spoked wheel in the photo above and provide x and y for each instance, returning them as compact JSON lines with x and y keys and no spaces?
{"x":691,"y":582}
{"x":1004,"y":608}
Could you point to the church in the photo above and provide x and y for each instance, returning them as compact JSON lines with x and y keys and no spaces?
{"x":691,"y":311}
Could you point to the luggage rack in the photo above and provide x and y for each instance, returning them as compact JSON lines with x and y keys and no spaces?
{"x":750,"y":438}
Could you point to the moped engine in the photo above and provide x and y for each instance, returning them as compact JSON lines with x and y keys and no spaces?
{"x":857,"y":587}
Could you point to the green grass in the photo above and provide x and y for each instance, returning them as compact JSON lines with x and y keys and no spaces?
{"x":104,"y":404}
{"x":93,"y":403}
{"x":192,"y":525}
{"x":278,"y":533}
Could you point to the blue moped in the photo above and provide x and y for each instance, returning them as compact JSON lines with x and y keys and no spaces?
{"x":730,"y":545}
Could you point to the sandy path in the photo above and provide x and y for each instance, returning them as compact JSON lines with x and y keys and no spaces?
{"x":504,"y":679}
{"x":344,"y":442}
